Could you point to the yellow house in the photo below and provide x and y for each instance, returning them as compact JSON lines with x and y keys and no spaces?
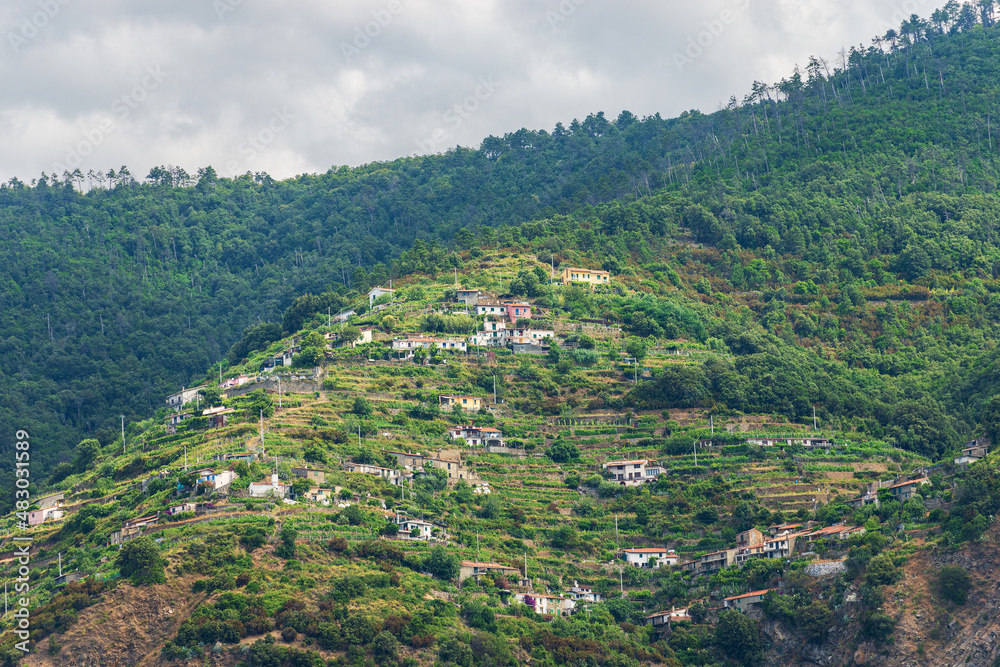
{"x":468,"y":403}
{"x":591,"y":277}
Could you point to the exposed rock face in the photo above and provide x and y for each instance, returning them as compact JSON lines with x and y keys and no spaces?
{"x":929,"y":631}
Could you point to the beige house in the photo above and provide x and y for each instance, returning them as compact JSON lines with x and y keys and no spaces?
{"x":467,"y":403}
{"x":711,"y":563}
{"x":588,"y":276}
{"x":748,"y":602}
{"x":903,"y":491}
{"x":471,"y":568}
{"x":972,"y":454}
{"x":314,"y":475}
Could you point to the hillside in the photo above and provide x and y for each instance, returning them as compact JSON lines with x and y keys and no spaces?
{"x":707,"y":390}
{"x":864,"y":189}
{"x":334,"y":576}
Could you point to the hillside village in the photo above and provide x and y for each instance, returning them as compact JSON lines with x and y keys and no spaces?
{"x":548,"y":501}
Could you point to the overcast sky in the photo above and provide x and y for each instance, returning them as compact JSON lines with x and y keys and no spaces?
{"x":298,"y":87}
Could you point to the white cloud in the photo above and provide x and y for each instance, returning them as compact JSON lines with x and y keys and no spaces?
{"x":378,"y":79}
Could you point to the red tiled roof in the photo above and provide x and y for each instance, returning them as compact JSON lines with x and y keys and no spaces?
{"x":922,"y":480}
{"x":748,"y":595}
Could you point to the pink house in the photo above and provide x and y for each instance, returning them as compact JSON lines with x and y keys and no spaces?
{"x":238,"y":381}
{"x":516,"y":311}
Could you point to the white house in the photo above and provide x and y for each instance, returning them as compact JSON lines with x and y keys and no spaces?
{"x":667,"y":617}
{"x":579,"y":593}
{"x":377,"y":292}
{"x":530,"y":336}
{"x":273,"y":488}
{"x":485,"y":436}
{"x":218,"y":480}
{"x":183,"y":507}
{"x":547,"y":605}
{"x":633,"y":472}
{"x":494,"y":334}
{"x":407,"y":525}
{"x":407,"y":346}
{"x":649,"y":556}
{"x":972,"y":454}
{"x":184,"y":396}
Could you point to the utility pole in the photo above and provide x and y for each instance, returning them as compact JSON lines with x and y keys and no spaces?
{"x":478,"y":557}
{"x":261,"y":431}
{"x":359,"y":435}
{"x":329,"y":321}
{"x":617,"y":540}
{"x":525,"y":564}
{"x":696,"y":453}
{"x":814,"y":418}
{"x":621,"y":584}
{"x":60,"y":563}
{"x":123,"y":435}
{"x":279,"y":391}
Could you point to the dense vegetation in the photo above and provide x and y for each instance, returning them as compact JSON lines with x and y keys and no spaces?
{"x":825,"y":249}
{"x":826,"y":189}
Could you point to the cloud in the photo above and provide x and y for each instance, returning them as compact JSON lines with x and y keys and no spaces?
{"x":377,"y":79}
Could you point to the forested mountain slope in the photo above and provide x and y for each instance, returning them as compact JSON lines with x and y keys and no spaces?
{"x":835,"y":183}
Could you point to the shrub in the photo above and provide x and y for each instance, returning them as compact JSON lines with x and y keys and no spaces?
{"x":442,"y":563}
{"x":562,"y":452}
{"x":385,"y":647}
{"x":140,"y":561}
{"x":953,"y":584}
{"x":882,"y":571}
{"x":814,"y":620}
{"x":454,"y":650}
{"x":877,"y":626}
{"x":738,"y":635}
{"x":479,"y":616}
